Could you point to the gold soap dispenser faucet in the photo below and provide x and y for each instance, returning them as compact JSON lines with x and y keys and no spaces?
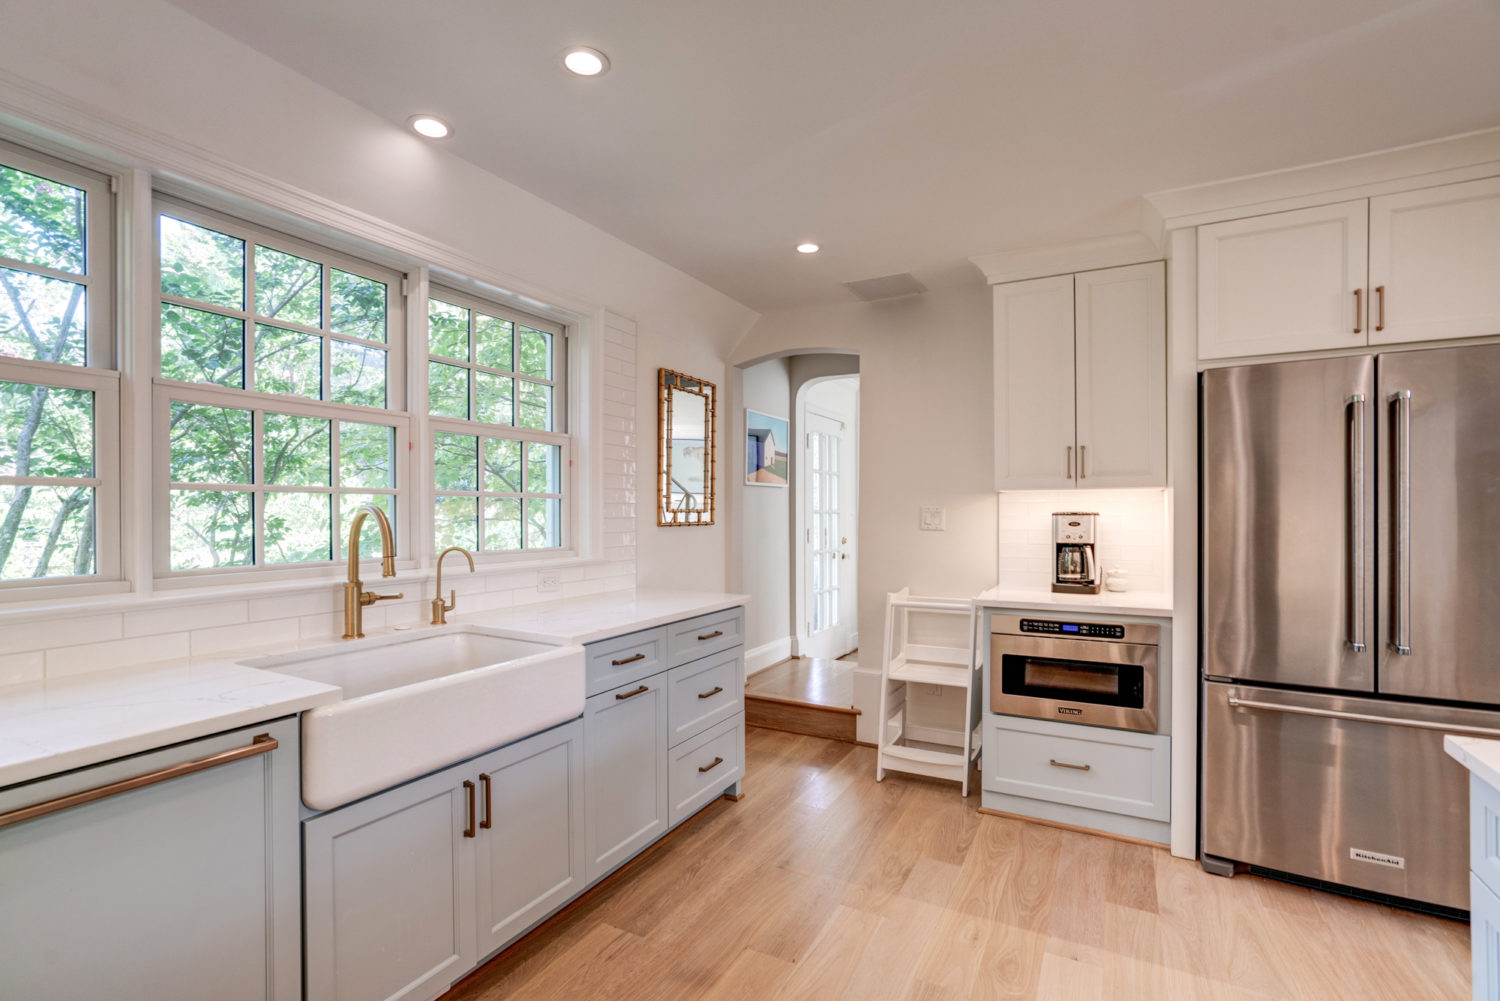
{"x":439,"y":609}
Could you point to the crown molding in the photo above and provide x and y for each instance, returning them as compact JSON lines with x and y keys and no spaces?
{"x":64,"y":126}
{"x":1066,"y":258}
{"x":1402,"y":168}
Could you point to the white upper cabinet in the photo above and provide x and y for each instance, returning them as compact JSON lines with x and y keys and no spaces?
{"x":1080,"y":380}
{"x":1034,"y":439}
{"x":1435,"y":263}
{"x":1289,"y":281}
{"x":1121,"y":366}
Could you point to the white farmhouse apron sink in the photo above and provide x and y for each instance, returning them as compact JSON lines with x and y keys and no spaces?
{"x":417,"y":702}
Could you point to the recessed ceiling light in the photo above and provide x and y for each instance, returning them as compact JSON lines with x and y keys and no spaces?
{"x":429,"y":126}
{"x":585,"y":61}
{"x":808,"y":248}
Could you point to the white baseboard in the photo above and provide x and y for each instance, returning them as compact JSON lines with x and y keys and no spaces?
{"x":767,"y":654}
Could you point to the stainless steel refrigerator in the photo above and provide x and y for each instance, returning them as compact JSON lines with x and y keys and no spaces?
{"x":1351,"y":614}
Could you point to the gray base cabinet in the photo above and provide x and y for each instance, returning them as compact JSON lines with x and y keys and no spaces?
{"x":407,"y":890}
{"x":626,"y":750}
{"x":183,"y":888}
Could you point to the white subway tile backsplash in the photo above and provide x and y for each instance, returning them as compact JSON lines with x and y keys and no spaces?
{"x":18,"y":667}
{"x":44,"y":633}
{"x":1133,"y":535}
{"x":221,"y":639}
{"x":180,"y":617}
{"x":67,"y":660}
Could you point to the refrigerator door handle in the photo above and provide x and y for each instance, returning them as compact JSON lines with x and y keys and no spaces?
{"x":1357,"y":522}
{"x":1416,"y":724}
{"x":1401,"y":564}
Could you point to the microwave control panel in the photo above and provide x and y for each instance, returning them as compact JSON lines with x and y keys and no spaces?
{"x":1092,"y":630}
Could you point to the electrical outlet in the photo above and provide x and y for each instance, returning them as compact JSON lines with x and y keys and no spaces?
{"x":548,"y":580}
{"x":932,"y":519}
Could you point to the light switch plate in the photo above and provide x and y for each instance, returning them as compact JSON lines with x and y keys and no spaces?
{"x":548,"y":580}
{"x":932,"y":519}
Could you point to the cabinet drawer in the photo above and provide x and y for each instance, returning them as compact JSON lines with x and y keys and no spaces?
{"x":704,"y":693}
{"x":624,"y":659}
{"x":705,"y":766}
{"x":1484,"y":832}
{"x":693,"y":638}
{"x":1116,"y":771}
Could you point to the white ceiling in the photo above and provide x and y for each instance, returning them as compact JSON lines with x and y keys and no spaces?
{"x":902,"y":135}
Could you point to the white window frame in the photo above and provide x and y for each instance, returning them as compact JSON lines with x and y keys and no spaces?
{"x":167,"y":391}
{"x":98,"y":375}
{"x":560,"y":382}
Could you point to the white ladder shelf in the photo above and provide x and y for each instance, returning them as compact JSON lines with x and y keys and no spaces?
{"x":916,"y":664}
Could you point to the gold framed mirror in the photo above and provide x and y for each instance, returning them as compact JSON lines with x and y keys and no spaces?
{"x":686,"y":452}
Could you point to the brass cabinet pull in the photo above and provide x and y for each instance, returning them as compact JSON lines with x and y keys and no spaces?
{"x":715,"y":763}
{"x":1380,"y":302}
{"x":1070,"y":462}
{"x":1359,"y":311}
{"x":261,"y":744}
{"x":1064,"y":764}
{"x":484,"y":780}
{"x":633,"y":693}
{"x":708,"y":695}
{"x":1083,"y":462}
{"x":469,"y":789}
{"x":628,"y":660}
{"x":713,"y":635}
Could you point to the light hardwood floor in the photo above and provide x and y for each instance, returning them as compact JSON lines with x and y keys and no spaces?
{"x":804,"y":679}
{"x":822,"y":884}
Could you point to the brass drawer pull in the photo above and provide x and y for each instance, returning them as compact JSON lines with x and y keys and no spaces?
{"x":486,"y":823}
{"x":261,"y":744}
{"x":711,"y":765}
{"x":469,"y":789}
{"x":713,"y":635}
{"x":708,"y":695}
{"x":628,"y":660}
{"x":1064,"y":764}
{"x":633,"y":693}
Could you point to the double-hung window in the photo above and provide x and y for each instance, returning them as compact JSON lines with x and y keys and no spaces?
{"x":59,"y":393}
{"x":280,"y":404}
{"x":496,"y":399}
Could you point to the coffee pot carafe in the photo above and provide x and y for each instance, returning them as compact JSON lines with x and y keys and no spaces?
{"x":1075,"y":568}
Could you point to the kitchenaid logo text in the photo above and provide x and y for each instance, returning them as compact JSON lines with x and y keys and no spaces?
{"x":1375,"y":858}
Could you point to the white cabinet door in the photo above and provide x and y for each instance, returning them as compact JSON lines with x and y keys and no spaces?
{"x":1283,"y":282}
{"x":389,"y":892}
{"x":530,"y":843}
{"x":625,"y":761}
{"x":1034,"y":417}
{"x":1435,"y":263}
{"x":1121,"y":322}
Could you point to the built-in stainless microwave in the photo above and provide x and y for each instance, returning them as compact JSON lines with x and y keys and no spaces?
{"x":1100,"y":673}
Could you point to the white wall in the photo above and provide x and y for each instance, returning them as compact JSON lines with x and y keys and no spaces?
{"x":140,"y":83}
{"x":926,"y":435}
{"x":764,"y":518}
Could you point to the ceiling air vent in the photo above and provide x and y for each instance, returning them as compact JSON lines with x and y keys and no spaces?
{"x":885,"y":288}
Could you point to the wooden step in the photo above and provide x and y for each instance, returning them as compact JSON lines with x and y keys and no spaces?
{"x":773,"y":713}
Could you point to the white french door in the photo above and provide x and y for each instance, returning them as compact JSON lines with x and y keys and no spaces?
{"x":828,"y":492}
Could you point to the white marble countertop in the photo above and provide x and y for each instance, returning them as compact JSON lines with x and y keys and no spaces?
{"x":597,"y":617}
{"x":1141,"y":603}
{"x":1478,"y":754}
{"x":52,"y":726}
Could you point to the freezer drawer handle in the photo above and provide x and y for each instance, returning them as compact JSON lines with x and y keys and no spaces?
{"x":1357,"y":522}
{"x":1416,"y":724}
{"x":1401,"y":619}
{"x":261,"y":744}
